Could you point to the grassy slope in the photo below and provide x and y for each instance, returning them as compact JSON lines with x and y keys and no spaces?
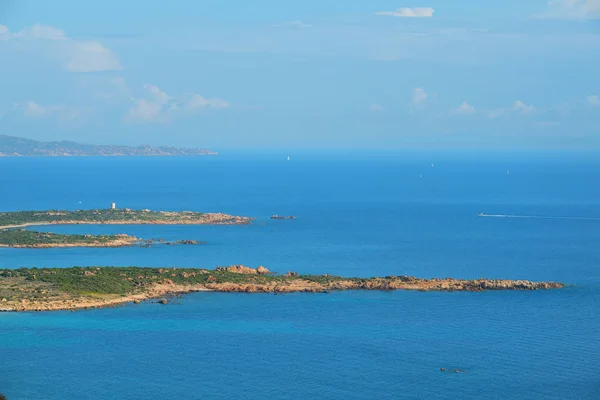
{"x":125,"y":280}
{"x":100,"y":216}
{"x":22,"y":237}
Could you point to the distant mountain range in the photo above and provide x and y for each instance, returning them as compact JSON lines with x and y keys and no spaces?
{"x":15,"y":146}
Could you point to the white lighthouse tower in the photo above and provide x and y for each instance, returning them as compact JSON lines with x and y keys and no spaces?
{"x":113,"y":206}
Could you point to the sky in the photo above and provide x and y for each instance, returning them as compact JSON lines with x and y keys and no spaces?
{"x":376,"y":74}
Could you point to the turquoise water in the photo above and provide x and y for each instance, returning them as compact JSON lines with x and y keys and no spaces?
{"x":358,"y":215}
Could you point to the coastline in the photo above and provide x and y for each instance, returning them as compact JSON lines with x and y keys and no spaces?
{"x":213,"y":219}
{"x":111,"y":244}
{"x":54,"y":289}
{"x":26,"y":239}
{"x":68,"y":241}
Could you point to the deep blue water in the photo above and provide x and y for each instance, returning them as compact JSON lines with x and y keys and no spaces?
{"x":358,"y":215}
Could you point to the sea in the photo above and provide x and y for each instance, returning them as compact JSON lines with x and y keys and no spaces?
{"x":358,"y":214}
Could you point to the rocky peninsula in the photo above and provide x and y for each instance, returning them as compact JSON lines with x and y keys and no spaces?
{"x":115,"y":216}
{"x":22,"y":238}
{"x":46,"y":289}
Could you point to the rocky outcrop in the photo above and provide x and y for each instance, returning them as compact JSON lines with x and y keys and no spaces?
{"x":238,"y":269}
{"x":41,"y":290}
{"x":283,"y":216}
{"x":241,"y":269}
{"x":187,"y":242}
{"x":262,"y":270}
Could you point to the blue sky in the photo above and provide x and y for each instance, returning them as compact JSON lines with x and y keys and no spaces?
{"x":311,"y":74}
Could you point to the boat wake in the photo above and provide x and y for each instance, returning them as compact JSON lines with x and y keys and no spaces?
{"x":538,"y":217}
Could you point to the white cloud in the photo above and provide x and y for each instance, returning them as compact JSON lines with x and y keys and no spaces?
{"x":40,"y":32}
{"x":376,"y":107}
{"x":158,"y":106}
{"x":496,"y":113}
{"x":293,"y":25}
{"x":197,"y":102}
{"x":61,"y":113}
{"x":34,"y":110}
{"x":593,"y":100}
{"x":465,"y":108}
{"x":91,"y":57}
{"x":408,"y":12}
{"x":75,"y":55}
{"x":518,"y":107}
{"x":572,"y":9}
{"x":523,"y":108}
{"x":419,"y":96}
{"x":159,"y":96}
{"x":146,"y":111}
{"x":108,"y":88}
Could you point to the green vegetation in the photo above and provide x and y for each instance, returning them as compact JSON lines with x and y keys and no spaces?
{"x":115,"y":216}
{"x":83,"y":287}
{"x":26,"y":238}
{"x":89,"y":281}
{"x":125,"y":280}
{"x":2,"y":397}
{"x":93,"y":216}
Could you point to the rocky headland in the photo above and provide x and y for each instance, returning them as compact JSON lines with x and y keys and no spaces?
{"x":92,"y":287}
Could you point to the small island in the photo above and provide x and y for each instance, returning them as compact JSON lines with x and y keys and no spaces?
{"x":46,"y":289}
{"x":22,"y":238}
{"x":113,"y":215}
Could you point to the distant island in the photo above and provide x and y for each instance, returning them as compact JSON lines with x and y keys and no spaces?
{"x":116,"y":216}
{"x":11,"y":146}
{"x":46,"y":289}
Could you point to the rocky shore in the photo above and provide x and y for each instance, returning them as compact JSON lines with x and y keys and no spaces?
{"x":93,"y":287}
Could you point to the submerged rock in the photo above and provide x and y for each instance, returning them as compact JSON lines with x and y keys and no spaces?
{"x":188,"y":242}
{"x":283,"y":216}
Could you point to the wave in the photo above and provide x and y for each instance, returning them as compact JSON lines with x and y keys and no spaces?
{"x":539,"y":217}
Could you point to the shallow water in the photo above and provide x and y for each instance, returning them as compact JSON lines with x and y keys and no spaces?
{"x":363,"y":215}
